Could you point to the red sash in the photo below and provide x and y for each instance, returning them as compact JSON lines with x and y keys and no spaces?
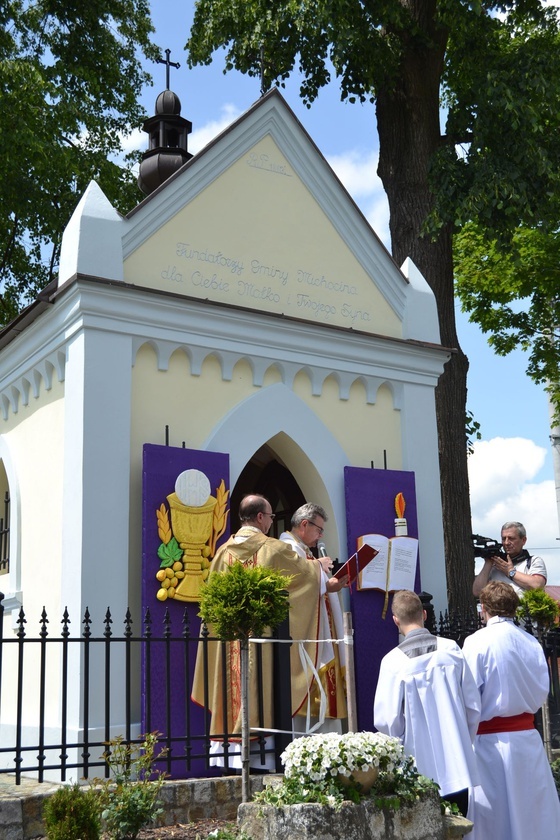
{"x":513,"y":723}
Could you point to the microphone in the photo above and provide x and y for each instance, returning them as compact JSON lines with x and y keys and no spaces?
{"x":322,"y":549}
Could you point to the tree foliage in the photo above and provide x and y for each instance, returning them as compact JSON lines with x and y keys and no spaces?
{"x":512,"y":293}
{"x":498,"y":80}
{"x":70,"y":76}
{"x":488,"y":69}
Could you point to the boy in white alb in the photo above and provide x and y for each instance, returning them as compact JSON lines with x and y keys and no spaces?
{"x":426,"y":696}
{"x":517,"y":797}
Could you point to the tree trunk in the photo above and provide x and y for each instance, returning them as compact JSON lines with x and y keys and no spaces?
{"x":409,"y":134}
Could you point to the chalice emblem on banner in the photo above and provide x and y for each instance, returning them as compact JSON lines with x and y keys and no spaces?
{"x":188,"y":541}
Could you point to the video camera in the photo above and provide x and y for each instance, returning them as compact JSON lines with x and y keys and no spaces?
{"x":485,"y":547}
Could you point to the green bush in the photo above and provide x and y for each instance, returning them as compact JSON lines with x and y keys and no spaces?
{"x":72,"y":813}
{"x":243,"y":601}
{"x":130,"y":798}
{"x":555,"y":766}
{"x":540,"y":606}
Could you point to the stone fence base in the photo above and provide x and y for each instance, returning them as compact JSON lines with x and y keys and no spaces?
{"x":21,"y":813}
{"x":21,"y":806}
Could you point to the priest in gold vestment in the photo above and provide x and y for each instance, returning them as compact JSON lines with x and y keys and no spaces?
{"x":251,"y":545}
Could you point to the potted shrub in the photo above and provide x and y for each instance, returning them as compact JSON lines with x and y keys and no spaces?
{"x":239,"y":603}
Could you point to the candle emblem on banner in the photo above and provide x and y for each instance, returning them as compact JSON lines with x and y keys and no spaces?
{"x":401,"y":527}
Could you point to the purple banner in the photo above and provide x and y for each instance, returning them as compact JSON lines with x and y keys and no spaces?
{"x":168,"y":526}
{"x":370,"y":509}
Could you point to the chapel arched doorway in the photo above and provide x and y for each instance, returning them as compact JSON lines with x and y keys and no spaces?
{"x":265,"y":474}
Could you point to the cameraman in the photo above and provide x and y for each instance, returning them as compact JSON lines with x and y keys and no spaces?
{"x":518,"y":569}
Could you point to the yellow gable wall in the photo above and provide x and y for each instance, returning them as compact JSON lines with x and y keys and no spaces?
{"x":256,"y":237}
{"x":194,"y":405}
{"x":35,"y":438}
{"x":362,"y":430}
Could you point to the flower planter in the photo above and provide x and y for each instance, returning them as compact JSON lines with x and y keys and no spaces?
{"x":363,"y":821}
{"x":365,"y":778}
{"x":318,"y":767}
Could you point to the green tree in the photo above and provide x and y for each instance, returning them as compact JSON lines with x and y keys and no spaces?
{"x":70,"y":77}
{"x":494,"y":65}
{"x":513,"y":295}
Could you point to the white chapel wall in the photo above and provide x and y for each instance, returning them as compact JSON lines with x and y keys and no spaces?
{"x":32,"y":443}
{"x":34,"y":437}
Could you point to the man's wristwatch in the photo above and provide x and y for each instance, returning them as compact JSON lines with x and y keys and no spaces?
{"x":512,"y":573}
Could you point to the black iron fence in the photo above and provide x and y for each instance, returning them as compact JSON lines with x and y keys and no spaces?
{"x":105,"y":681}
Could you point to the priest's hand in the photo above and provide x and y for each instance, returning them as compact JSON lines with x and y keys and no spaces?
{"x":326,"y":565}
{"x":335,"y":585}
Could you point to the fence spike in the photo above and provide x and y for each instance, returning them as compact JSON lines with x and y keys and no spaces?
{"x":148,"y":622}
{"x":128,"y":624}
{"x":167,"y":624}
{"x":87,"y":624}
{"x":186,"y":623}
{"x":107,"y":621}
{"x":21,"y":620}
{"x":43,"y":633}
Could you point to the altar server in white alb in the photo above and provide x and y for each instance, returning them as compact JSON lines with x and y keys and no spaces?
{"x":517,"y":798}
{"x":427,"y":697}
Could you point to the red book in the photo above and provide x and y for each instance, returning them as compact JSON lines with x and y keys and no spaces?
{"x":356,"y":563}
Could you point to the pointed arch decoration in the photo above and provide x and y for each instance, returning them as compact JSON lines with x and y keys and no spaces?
{"x":267,"y":413}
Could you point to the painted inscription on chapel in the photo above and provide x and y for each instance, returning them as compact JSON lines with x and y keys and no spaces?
{"x":194,"y":269}
{"x":259,"y":237}
{"x":268,"y":164}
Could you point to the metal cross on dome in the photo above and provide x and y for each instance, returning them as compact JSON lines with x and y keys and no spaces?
{"x":168,"y":63}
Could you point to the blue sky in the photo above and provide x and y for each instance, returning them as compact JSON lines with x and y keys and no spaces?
{"x":511,"y":470}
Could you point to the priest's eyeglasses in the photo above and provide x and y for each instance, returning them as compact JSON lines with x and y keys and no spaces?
{"x":321,"y":530}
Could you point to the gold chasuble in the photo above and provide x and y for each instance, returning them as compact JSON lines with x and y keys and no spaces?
{"x":331,"y":659}
{"x":304,"y":597}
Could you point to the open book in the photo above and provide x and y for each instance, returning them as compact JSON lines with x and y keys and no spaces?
{"x":394,"y":565}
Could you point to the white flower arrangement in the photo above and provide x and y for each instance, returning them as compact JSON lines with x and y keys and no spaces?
{"x":320,"y":758}
{"x":330,"y":769}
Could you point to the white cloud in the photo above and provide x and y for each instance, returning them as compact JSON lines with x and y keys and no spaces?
{"x":502,"y":474}
{"x":202,"y":136}
{"x":377,"y":213}
{"x":137,"y":139}
{"x":358,"y":172}
{"x":511,"y":462}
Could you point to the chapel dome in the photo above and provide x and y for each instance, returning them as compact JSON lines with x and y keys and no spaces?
{"x":168,"y":104}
